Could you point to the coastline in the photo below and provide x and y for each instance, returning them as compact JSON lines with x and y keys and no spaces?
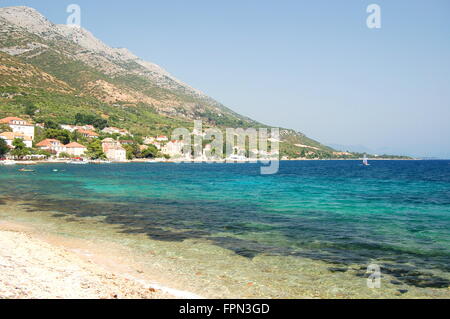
{"x":30,"y":163}
{"x":38,"y":266}
{"x":42,"y":254}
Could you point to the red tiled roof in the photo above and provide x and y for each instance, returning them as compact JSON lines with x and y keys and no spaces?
{"x":75,"y":145}
{"x":8,"y":120}
{"x":11,"y":136}
{"x":47,"y":142}
{"x":90,"y":133}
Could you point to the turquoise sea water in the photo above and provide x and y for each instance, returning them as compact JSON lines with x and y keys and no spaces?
{"x":396,"y":213}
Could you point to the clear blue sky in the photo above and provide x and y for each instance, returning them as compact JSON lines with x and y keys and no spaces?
{"x":309,"y":65}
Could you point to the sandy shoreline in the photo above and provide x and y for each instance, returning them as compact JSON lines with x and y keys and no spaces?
{"x":31,"y":268}
{"x":44,"y":256}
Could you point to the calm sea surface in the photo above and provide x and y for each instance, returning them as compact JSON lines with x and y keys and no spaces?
{"x":338,"y":213}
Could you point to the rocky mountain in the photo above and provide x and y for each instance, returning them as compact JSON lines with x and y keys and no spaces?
{"x":65,"y":70}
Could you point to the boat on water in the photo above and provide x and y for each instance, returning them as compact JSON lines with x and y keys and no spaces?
{"x":26,"y":170}
{"x":366,"y":161}
{"x":8,"y":162}
{"x":78,"y":162}
{"x":237,"y":158}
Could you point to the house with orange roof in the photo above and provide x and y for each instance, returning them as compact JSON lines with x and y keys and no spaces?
{"x":75,"y":149}
{"x":9,"y":138}
{"x":19,"y":125}
{"x":52,"y":145}
{"x":162,"y":138}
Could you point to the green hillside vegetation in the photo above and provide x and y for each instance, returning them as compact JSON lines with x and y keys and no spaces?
{"x":55,"y":81}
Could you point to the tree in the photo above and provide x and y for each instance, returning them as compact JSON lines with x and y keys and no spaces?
{"x":133,"y":151}
{"x":4,"y":149}
{"x":129,"y":150}
{"x":20,"y":149}
{"x":75,"y":136}
{"x":45,"y":153}
{"x":30,"y":109}
{"x":64,"y":155}
{"x":62,"y":135}
{"x":100,"y":123}
{"x":95,"y":150}
{"x":49,"y":124}
{"x":88,"y":119}
{"x":150,"y":152}
{"x":5,"y":128}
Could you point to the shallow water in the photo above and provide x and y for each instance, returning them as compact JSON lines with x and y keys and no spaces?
{"x":310,"y":230}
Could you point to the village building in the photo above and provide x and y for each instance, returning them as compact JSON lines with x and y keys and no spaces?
{"x":73,"y":128}
{"x":149,"y":140}
{"x":76,"y":150}
{"x":88,"y":127}
{"x":162,"y":138}
{"x":70,"y":128}
{"x":53,"y":146}
{"x":19,"y":125}
{"x":9,"y":138}
{"x":157,"y":145}
{"x":126,"y":142}
{"x":115,"y":130}
{"x":88,"y":133}
{"x":114,"y":150}
{"x":152,"y":141}
{"x":208,"y":152}
{"x":173,"y":149}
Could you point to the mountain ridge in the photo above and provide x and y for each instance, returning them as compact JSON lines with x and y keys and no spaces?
{"x":113,"y":82}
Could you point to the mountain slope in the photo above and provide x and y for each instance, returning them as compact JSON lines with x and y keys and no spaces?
{"x":65,"y":70}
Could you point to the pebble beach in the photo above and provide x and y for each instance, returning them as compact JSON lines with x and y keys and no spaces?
{"x":34,"y":269}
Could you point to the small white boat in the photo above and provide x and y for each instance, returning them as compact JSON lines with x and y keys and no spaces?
{"x":237,"y":158}
{"x":8,"y":162}
{"x":78,"y":162}
{"x":366,"y":161}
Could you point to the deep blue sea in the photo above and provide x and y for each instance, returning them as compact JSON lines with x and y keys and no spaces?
{"x":396,"y":213}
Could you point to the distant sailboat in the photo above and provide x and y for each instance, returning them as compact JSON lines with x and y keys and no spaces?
{"x":366,"y":161}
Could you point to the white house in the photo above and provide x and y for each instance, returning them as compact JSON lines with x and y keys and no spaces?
{"x":115,"y":130}
{"x":114,"y":150}
{"x":162,"y":138}
{"x":149,"y":140}
{"x":53,"y":146}
{"x":75,"y":149}
{"x":70,"y":128}
{"x":173,"y":148}
{"x":73,"y":128}
{"x":9,"y":138}
{"x":19,"y":125}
